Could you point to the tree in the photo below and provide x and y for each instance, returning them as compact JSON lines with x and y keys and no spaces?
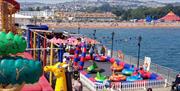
{"x":30,"y":9}
{"x":38,"y":9}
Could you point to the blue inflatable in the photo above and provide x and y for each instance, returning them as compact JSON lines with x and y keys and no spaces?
{"x":128,"y":72}
{"x":134,"y":78}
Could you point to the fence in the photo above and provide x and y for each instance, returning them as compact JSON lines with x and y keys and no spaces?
{"x":120,"y":86}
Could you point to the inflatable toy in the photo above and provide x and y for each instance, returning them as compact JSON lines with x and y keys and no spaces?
{"x":11,"y":44}
{"x":117,"y":77}
{"x":92,"y":67}
{"x":144,"y":74}
{"x":19,"y":70}
{"x":59,"y":72}
{"x":100,"y":78}
{"x":128,"y":72}
{"x":134,"y":78}
{"x":116,"y":67}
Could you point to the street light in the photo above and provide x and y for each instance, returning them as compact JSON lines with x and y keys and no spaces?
{"x":139,"y":46}
{"x":112,"y":44}
{"x":78,"y":29}
{"x":94,"y":34}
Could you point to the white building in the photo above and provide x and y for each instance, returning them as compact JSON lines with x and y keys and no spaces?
{"x":46,"y":14}
{"x":22,"y":19}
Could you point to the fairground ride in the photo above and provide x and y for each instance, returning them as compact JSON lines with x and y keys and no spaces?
{"x":7,"y":10}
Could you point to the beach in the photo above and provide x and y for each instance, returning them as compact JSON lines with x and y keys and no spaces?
{"x":75,"y":25}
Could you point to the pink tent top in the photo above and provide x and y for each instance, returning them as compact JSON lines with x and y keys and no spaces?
{"x":171,"y":17}
{"x":73,"y":41}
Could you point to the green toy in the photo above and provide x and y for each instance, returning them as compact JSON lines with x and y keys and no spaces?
{"x":11,"y":44}
{"x":99,"y":77}
{"x":92,"y":67}
{"x":18,"y":70}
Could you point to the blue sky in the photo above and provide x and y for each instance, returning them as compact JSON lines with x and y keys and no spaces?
{"x":57,"y":1}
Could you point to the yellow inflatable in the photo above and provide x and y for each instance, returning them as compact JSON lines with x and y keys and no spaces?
{"x":59,"y":72}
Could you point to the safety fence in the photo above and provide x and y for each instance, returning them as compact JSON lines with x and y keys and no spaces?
{"x":122,"y":86}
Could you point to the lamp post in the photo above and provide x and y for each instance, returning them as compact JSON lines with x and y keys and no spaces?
{"x":78,"y":29}
{"x":112,"y":44}
{"x":139,"y":46}
{"x":94,"y":34}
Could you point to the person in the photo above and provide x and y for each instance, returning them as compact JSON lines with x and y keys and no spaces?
{"x":103,"y":50}
{"x":76,"y":73}
{"x":149,"y":89}
{"x":64,"y":59}
{"x":70,"y":66}
{"x":176,"y":83}
{"x":77,"y":85}
{"x":91,"y":52}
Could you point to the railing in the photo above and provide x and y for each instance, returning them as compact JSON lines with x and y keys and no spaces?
{"x":87,"y":82}
{"x":120,"y":86}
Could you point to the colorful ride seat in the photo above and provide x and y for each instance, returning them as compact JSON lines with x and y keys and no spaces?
{"x":100,"y":78}
{"x":92,"y":67}
{"x":116,"y":67}
{"x":128,"y":72}
{"x":117,"y":77}
{"x":134,"y":78}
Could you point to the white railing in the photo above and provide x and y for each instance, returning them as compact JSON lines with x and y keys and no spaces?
{"x":87,"y":82}
{"x":123,"y":86}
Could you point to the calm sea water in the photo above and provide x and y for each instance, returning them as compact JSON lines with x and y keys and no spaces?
{"x":161,"y":44}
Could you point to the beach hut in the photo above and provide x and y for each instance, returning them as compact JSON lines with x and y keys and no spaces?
{"x":170,"y":17}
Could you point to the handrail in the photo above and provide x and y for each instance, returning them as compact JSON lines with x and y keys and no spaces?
{"x":134,"y":85}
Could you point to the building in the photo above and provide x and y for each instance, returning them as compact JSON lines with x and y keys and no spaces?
{"x":46,"y":14}
{"x":22,"y":19}
{"x":84,"y":16}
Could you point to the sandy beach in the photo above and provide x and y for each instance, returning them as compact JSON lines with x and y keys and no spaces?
{"x":72,"y":25}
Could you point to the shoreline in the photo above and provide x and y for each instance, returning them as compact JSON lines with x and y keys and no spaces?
{"x":109,"y":25}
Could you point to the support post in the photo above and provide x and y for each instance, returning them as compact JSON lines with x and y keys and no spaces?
{"x":29,"y":38}
{"x":39,"y":45}
{"x":112,"y":44}
{"x":34,"y":46}
{"x":139,"y":46}
{"x":51,"y":63}
{"x":45,"y":51}
{"x":31,"y":41}
{"x":60,"y":53}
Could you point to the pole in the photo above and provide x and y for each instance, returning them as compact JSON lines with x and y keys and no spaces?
{"x":51,"y":62}
{"x":31,"y":41}
{"x":139,"y":46}
{"x":94,"y":34}
{"x":39,"y":45}
{"x":34,"y":46}
{"x":45,"y":51}
{"x":78,"y":29}
{"x":112,"y":44}
{"x":60,"y":53}
{"x":28,"y":38}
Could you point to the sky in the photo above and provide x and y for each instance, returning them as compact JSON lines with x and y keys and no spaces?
{"x":57,"y":1}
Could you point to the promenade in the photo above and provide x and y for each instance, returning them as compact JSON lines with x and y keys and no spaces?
{"x":75,"y":25}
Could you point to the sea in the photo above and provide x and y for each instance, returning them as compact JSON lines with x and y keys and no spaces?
{"x":161,"y":44}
